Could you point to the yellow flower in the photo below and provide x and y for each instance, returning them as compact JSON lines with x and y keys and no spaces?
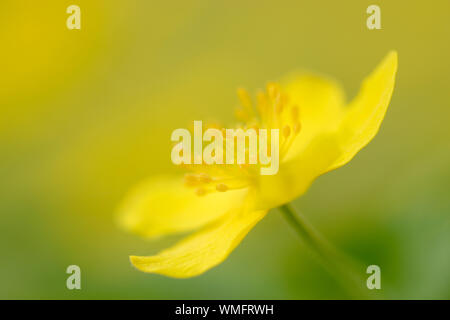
{"x":319,"y":133}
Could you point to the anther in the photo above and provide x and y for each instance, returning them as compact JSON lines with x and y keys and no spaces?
{"x":221,"y":187}
{"x":286,"y":131}
{"x":205,"y":178}
{"x":190,"y":179}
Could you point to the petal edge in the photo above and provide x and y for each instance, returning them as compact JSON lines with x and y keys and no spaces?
{"x":366,"y":112}
{"x":202,"y":250}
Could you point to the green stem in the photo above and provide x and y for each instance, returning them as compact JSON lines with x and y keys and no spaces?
{"x":345,"y":270}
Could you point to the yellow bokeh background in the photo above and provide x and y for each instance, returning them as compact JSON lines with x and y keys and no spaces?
{"x":86,"y":114}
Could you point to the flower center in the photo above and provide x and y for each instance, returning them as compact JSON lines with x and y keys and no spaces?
{"x":272,"y":110}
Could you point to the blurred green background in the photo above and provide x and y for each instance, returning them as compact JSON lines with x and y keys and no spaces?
{"x":87,"y":114}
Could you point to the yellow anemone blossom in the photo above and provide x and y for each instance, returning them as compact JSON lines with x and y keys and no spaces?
{"x":318,"y":133}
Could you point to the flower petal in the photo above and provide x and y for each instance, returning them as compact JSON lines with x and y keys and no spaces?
{"x":296,"y":175}
{"x":320,"y":102}
{"x":164,"y":205}
{"x":366,"y":112}
{"x":203,"y":250}
{"x":329,"y":147}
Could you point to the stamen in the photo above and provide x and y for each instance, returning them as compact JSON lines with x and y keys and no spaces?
{"x":284,"y":99}
{"x":204,"y":177}
{"x":272,"y":110}
{"x":286,"y":131}
{"x":262,"y":105}
{"x":279,"y":105}
{"x":190,"y":179}
{"x":294,"y":113}
{"x":272,"y":90}
{"x":289,"y":140}
{"x":221,"y":187}
{"x":241,"y":114}
{"x":246,"y":102}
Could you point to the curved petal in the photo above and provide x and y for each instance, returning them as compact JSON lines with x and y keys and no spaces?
{"x":366,"y":112}
{"x":203,"y":250}
{"x":164,"y":205}
{"x":320,"y":102}
{"x":296,"y":175}
{"x":330,"y":149}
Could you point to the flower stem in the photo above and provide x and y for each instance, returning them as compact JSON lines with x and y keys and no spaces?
{"x":346,"y":271}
